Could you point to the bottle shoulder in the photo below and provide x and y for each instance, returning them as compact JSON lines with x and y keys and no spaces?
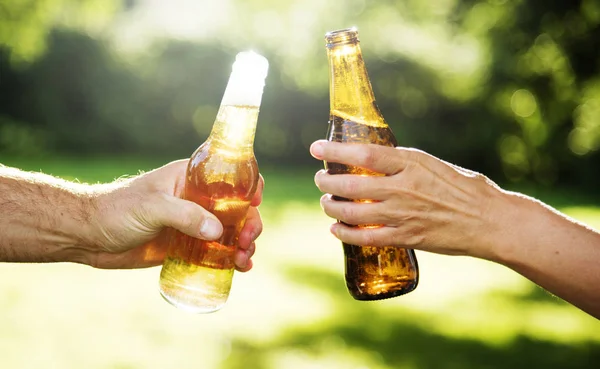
{"x":213,"y":176}
{"x":345,"y":130}
{"x":212,"y":150}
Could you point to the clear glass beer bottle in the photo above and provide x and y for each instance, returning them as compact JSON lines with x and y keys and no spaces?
{"x":222,"y":176}
{"x":372,"y":273}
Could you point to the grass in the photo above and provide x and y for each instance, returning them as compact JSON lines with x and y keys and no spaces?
{"x":292,"y":310}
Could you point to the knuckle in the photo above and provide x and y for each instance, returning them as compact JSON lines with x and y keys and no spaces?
{"x":187,"y":217}
{"x":407,"y":182}
{"x":251,"y":250}
{"x":387,"y":189}
{"x":350,"y":187}
{"x":370,"y":156}
{"x":348,"y":214}
{"x":414,"y":154}
{"x":389,"y":216}
{"x":414,"y":240}
{"x":257,"y":231}
{"x":405,"y":216}
{"x":368,"y":237}
{"x":411,"y":235}
{"x":481,"y":178}
{"x":414,"y":157}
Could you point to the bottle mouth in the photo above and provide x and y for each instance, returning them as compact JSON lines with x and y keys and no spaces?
{"x":341,"y":37}
{"x":251,"y":64}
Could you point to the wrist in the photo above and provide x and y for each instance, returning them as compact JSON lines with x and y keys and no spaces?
{"x":78,"y":228}
{"x":514,"y":219}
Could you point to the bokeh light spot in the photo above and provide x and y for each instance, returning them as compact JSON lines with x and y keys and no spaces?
{"x":522,"y":103}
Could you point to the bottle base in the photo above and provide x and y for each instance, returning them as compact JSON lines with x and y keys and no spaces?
{"x":194,"y":288}
{"x":381,"y":293}
{"x":190,"y":305}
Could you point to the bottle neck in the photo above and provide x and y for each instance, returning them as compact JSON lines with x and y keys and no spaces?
{"x":350,"y":92}
{"x":235,"y":125}
{"x":234,"y":129}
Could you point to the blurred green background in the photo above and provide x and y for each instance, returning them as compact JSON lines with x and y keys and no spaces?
{"x":95,"y":89}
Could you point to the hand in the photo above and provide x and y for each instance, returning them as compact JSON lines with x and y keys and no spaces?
{"x":131,"y":214}
{"x":422,"y":202}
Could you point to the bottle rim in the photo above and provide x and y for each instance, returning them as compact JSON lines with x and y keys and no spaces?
{"x":341,"y":37}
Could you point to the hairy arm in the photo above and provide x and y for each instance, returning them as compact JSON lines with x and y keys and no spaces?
{"x":113,"y":225}
{"x":42,"y":218}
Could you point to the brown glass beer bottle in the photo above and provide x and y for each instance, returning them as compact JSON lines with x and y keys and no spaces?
{"x":372,"y":273}
{"x":222,"y":176}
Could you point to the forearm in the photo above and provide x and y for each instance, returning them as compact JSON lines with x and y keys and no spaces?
{"x":552,"y":250}
{"x":42,"y":218}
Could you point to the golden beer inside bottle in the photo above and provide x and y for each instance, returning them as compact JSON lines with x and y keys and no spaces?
{"x":372,"y":273}
{"x":222,"y":177}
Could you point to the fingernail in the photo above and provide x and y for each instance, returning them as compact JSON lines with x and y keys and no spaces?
{"x":322,"y":200}
{"x":210,"y":229}
{"x":317,"y":149}
{"x":334,"y":229}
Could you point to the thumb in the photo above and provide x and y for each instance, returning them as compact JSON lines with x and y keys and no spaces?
{"x":189,"y":218}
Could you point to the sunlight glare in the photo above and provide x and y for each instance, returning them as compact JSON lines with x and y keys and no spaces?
{"x":180,"y":19}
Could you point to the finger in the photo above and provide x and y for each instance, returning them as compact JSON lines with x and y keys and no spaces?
{"x":187,"y":217}
{"x":251,"y":230}
{"x":170,"y":177}
{"x":251,"y":250}
{"x":367,"y":236}
{"x":257,"y":198}
{"x":242,"y":258}
{"x":248,"y":267}
{"x":149,"y":255}
{"x":381,"y":159}
{"x":355,"y":187}
{"x":355,"y":212}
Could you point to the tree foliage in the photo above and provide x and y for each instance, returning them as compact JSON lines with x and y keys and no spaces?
{"x":507,"y":87}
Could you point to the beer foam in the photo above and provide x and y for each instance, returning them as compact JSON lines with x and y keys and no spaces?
{"x":247,"y":80}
